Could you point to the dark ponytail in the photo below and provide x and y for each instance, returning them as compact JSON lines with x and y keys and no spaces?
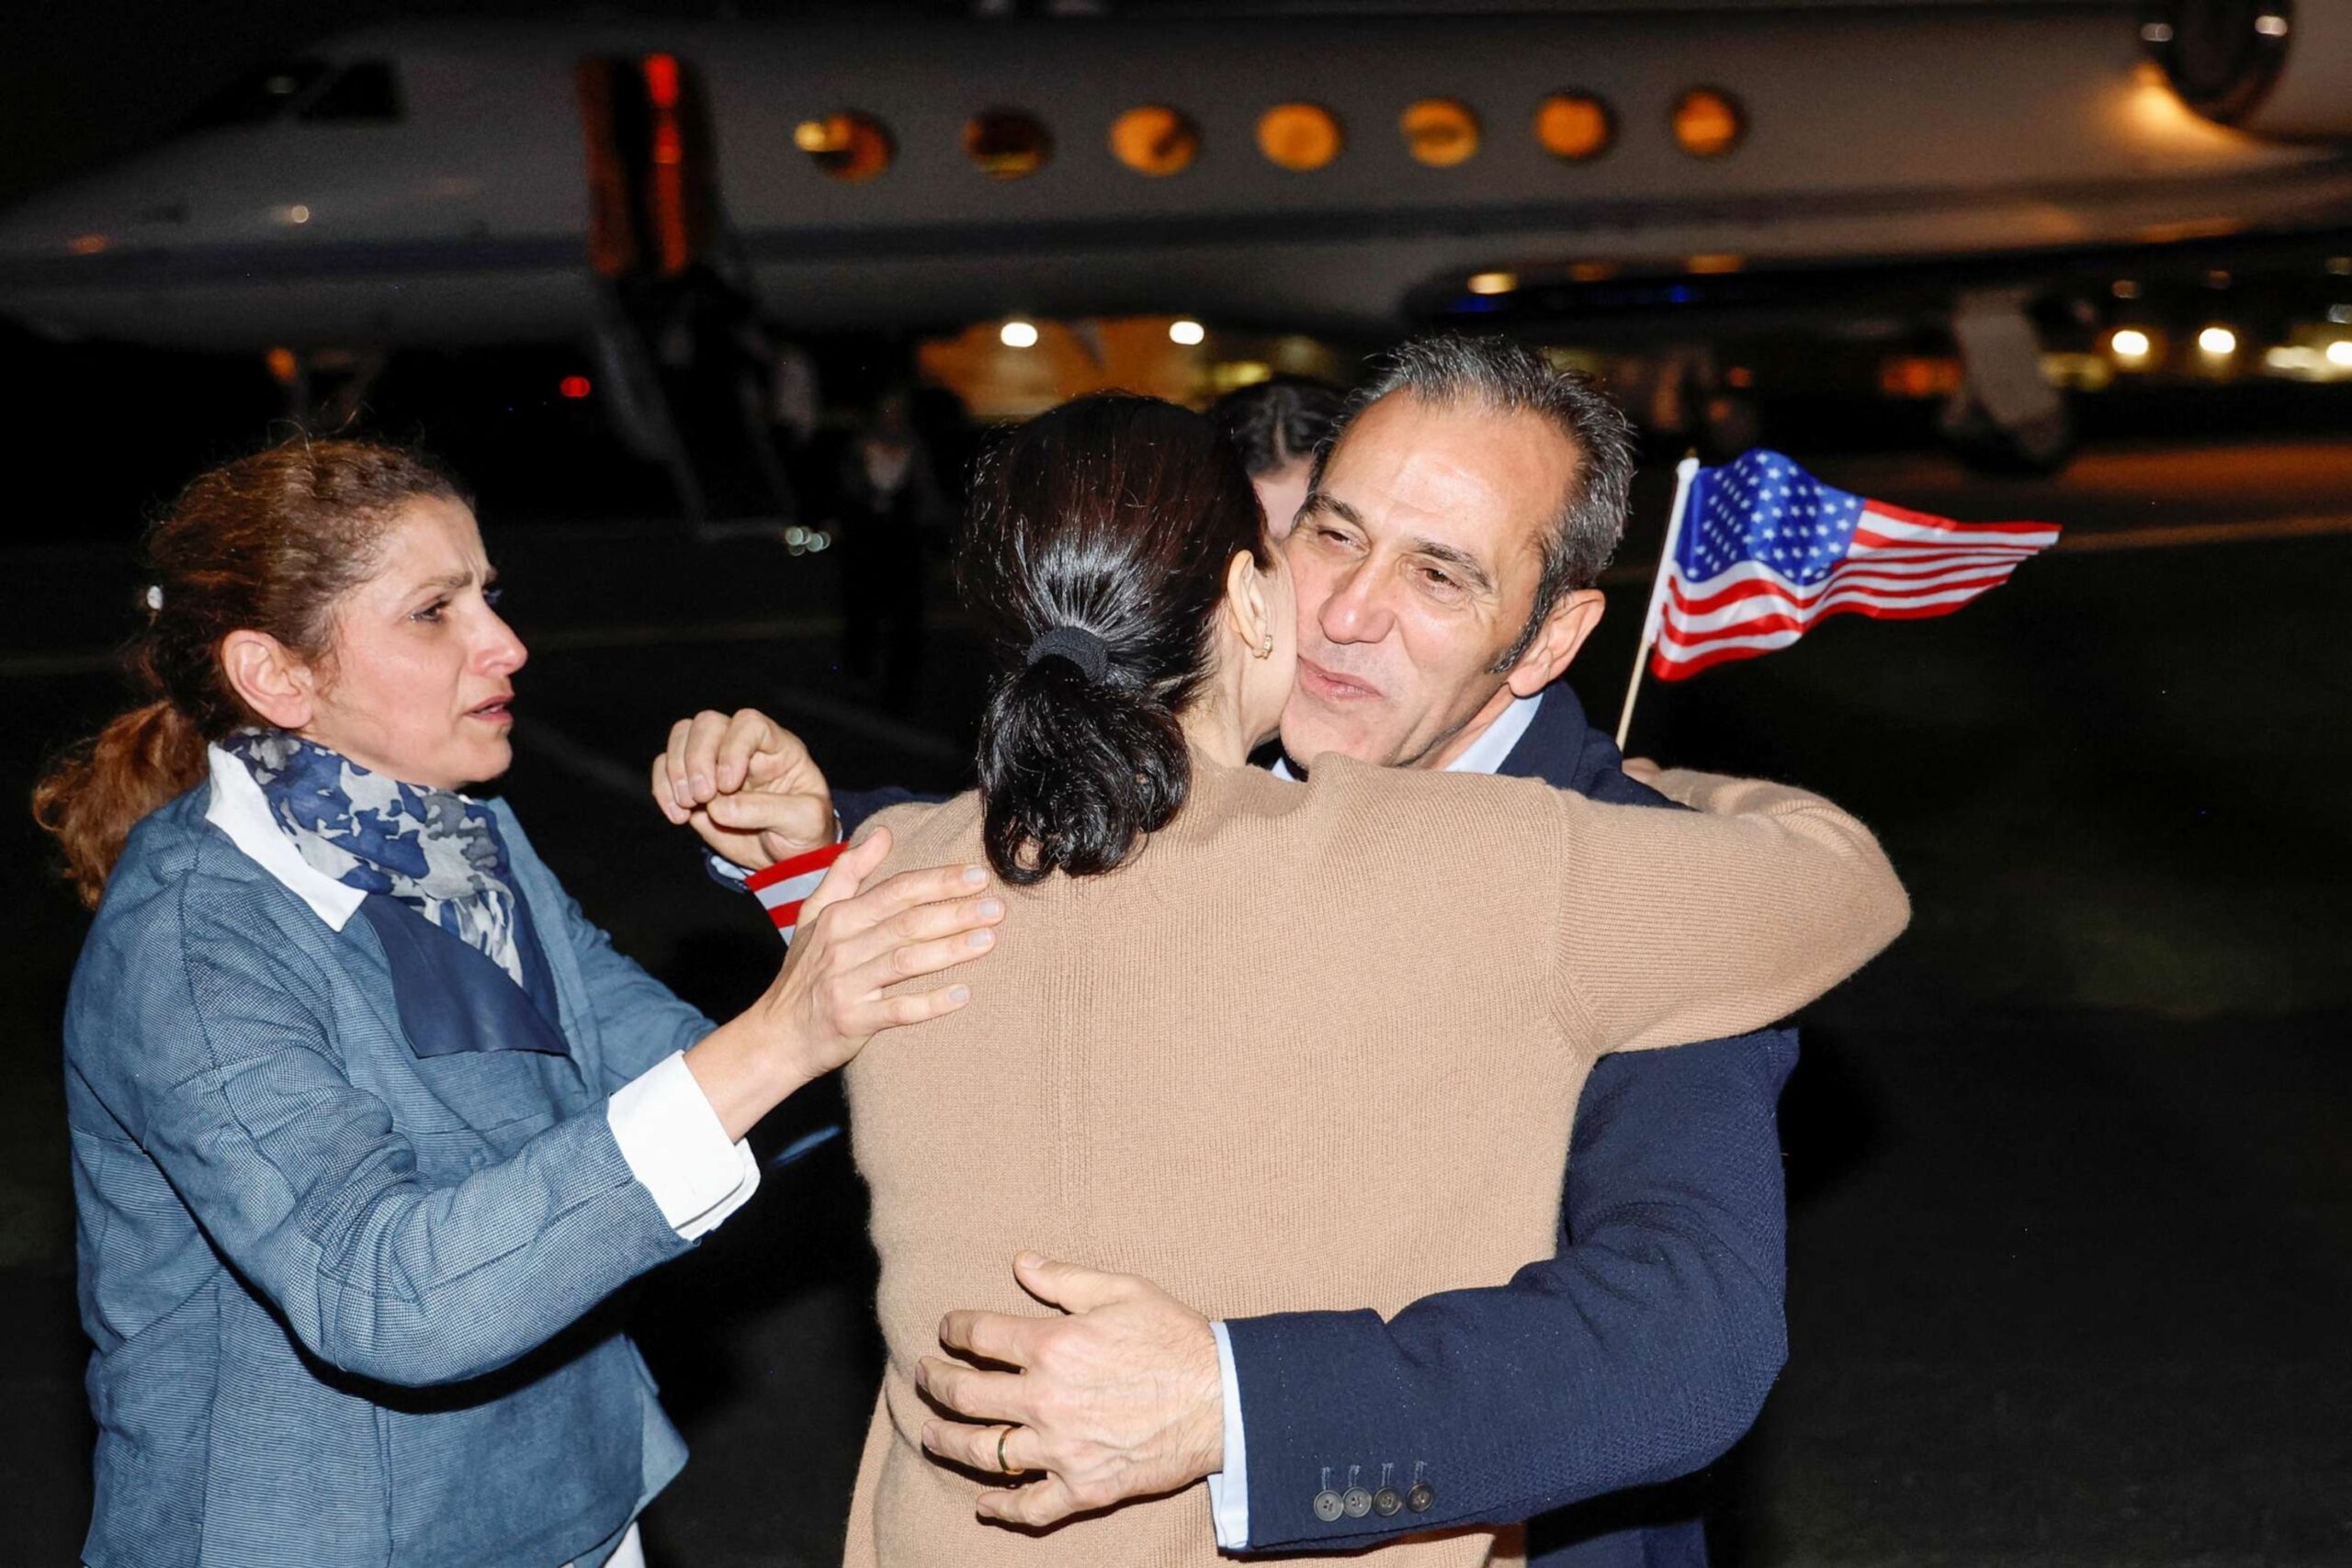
{"x":267,"y":543}
{"x":1113,"y":517}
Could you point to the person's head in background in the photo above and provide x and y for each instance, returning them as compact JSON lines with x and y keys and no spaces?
{"x":1278,"y":425}
{"x":335,"y":590}
{"x":1446,"y":554}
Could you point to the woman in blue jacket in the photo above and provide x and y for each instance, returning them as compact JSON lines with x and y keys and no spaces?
{"x":366,"y":1118}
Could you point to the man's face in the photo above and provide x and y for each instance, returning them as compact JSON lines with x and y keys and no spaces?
{"x":1417,"y":562}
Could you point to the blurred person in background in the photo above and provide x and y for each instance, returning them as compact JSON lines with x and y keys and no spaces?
{"x":366,"y":1119}
{"x":1444,"y":574}
{"x":889,"y":508}
{"x":1278,"y":425}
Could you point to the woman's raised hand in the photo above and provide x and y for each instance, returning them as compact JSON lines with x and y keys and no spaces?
{"x":854,"y":943}
{"x":746,"y":784}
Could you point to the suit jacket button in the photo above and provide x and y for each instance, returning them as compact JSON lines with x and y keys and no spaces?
{"x":1385,"y":1502}
{"x":1419,"y":1499}
{"x":1357,"y":1502}
{"x":1328,"y":1506}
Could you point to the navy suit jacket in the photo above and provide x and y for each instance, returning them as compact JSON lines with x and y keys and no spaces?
{"x":1636,"y":1355}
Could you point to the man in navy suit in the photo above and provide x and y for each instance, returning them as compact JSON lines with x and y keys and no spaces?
{"x":1445,"y":557}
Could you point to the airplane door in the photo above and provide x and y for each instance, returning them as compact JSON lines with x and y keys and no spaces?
{"x":653,"y":188}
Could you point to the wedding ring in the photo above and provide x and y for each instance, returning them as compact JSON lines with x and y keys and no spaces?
{"x":1002,"y":1463}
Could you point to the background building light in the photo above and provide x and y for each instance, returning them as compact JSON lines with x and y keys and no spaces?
{"x":1017,"y":334}
{"x":574,"y":387}
{"x":2340,"y":353}
{"x":1186,"y":333}
{"x":2130,"y":344}
{"x":1493,"y":282}
{"x":2218,"y":340}
{"x":2124,"y":289}
{"x":2270,"y":25}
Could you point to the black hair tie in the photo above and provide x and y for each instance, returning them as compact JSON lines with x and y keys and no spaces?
{"x":1077,"y":645}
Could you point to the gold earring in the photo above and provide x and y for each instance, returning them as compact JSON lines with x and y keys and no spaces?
{"x":1266,"y":649}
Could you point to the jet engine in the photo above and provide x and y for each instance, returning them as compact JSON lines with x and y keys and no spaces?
{"x":2279,"y":69}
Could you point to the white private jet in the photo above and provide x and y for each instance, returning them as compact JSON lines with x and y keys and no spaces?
{"x":456,"y":184}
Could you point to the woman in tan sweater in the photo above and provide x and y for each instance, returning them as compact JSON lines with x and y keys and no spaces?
{"x":1250,"y":1038}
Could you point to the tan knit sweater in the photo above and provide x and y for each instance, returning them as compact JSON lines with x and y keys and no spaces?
{"x":1317,"y":1047}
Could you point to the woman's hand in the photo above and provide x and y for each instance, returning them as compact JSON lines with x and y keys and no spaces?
{"x":746,"y":784}
{"x":854,"y":943}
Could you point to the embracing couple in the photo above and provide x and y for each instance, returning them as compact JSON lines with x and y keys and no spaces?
{"x":368,"y":1118}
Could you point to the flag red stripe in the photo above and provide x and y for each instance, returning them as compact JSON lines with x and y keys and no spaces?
{"x":786,"y":915}
{"x":798,"y":865}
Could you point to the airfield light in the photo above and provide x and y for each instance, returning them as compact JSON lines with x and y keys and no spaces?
{"x":2156,"y":32}
{"x":2339,"y":315}
{"x":2124,"y":289}
{"x":2130,"y":344}
{"x":283,"y":366}
{"x":2339,"y":353}
{"x":848,"y":144}
{"x":1189,"y":333}
{"x":297,"y":214}
{"x":1018,"y":335}
{"x":1573,"y":126}
{"x":87,"y":244}
{"x":1493,"y":282}
{"x":1440,"y":133}
{"x":2339,"y":266}
{"x":2270,"y":25}
{"x":1007,"y":144}
{"x":1708,"y":122}
{"x":1155,"y":139}
{"x":1299,"y":136}
{"x":574,"y":386}
{"x":2218,"y":340}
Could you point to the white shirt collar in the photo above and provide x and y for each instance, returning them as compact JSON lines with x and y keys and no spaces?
{"x":1486,"y":754}
{"x":239,"y":808}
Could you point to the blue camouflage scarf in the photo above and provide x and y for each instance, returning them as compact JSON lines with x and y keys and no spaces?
{"x":434,"y":850}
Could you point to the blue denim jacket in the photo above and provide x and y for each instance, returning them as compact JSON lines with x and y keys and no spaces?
{"x":339,"y":1280}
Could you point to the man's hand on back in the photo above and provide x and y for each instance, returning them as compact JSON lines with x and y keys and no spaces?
{"x":1121,"y":1398}
{"x":746,"y":784}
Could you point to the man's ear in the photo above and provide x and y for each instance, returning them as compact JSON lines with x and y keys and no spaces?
{"x":1556,"y":641}
{"x":269,"y":679}
{"x":1245,"y":600}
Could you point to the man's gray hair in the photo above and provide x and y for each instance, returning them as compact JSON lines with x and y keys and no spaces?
{"x":1496,"y":374}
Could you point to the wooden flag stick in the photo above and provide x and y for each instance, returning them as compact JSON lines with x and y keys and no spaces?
{"x":1684,"y":472}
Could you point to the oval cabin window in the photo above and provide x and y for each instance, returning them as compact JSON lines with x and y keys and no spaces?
{"x":1574,"y":126}
{"x":1007,"y":144}
{"x":1299,"y":136}
{"x":1708,"y":123}
{"x":1440,"y":133}
{"x":1155,"y":139}
{"x":847,"y":145}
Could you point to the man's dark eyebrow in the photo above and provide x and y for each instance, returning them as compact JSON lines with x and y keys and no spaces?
{"x":1460,"y":560}
{"x":1317,"y":501}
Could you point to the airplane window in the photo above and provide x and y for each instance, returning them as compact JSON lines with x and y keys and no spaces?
{"x":1299,"y":136}
{"x":1440,"y":133}
{"x":364,"y":93}
{"x":256,"y":98}
{"x":1155,"y":139}
{"x":1575,"y":126}
{"x":1007,"y":143}
{"x":847,"y":145}
{"x":1708,"y":123}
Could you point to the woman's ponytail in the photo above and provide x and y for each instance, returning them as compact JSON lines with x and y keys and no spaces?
{"x":268,"y":544}
{"x":1097,"y":549}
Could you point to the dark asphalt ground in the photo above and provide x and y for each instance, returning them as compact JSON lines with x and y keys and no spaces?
{"x":2071,"y":1219}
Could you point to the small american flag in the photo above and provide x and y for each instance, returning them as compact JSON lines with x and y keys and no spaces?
{"x":783,"y":888}
{"x":1765,"y":550}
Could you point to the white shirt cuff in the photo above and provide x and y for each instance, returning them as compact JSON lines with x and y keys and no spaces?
{"x":1230,"y":1488}
{"x":674,"y":1144}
